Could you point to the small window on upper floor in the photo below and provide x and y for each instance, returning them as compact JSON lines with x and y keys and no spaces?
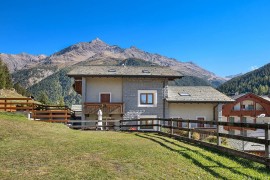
{"x":147,"y":98}
{"x":250,"y":107}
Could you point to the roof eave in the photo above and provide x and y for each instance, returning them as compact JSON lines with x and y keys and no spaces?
{"x":130,"y":76}
{"x":175,"y":101}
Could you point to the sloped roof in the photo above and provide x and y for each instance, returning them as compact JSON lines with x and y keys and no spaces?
{"x":238,"y":96}
{"x":124,"y":71}
{"x":235,"y":97}
{"x":267,"y":98}
{"x":196,"y":94}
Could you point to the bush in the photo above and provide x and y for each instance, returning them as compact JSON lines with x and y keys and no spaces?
{"x":195,"y":136}
{"x":181,"y":133}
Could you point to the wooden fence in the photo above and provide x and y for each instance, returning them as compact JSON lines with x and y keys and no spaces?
{"x":16,"y":104}
{"x":168,"y":127}
{"x":60,"y":114}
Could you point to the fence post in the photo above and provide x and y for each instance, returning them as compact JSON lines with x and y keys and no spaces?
{"x":267,"y":150}
{"x":159,"y":125}
{"x":50,"y":116}
{"x":189,"y":131}
{"x":66,"y":114}
{"x":218,"y":138}
{"x":171,"y":127}
{"x":120,"y":125}
{"x":5,"y":104}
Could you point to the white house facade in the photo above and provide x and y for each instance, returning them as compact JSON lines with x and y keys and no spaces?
{"x":128,"y":92}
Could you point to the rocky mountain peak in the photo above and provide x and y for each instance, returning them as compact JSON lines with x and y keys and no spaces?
{"x":97,"y":49}
{"x":97,"y":41}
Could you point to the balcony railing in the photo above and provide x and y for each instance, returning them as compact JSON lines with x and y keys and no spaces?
{"x":106,"y":108}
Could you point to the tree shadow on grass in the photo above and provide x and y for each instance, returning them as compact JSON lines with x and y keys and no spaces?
{"x":244,"y":162}
{"x":185,"y":154}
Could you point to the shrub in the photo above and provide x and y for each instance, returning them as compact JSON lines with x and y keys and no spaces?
{"x":195,"y":136}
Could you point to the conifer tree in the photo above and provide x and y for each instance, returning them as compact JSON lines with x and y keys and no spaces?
{"x":5,"y":77}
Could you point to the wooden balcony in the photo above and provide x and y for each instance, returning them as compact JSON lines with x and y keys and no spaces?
{"x":252,"y":113}
{"x":227,"y":128}
{"x":106,"y":108}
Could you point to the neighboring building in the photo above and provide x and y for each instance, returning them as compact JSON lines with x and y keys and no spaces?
{"x":126,"y":92}
{"x":247,"y":108}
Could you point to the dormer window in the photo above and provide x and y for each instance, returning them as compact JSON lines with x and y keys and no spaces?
{"x":111,"y":70}
{"x":184,"y":94}
{"x":145,"y":71}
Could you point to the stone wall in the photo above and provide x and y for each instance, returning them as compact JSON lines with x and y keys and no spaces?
{"x":130,"y":94}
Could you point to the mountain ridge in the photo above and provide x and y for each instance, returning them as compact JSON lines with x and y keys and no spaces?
{"x":256,"y":81}
{"x":97,"y":49}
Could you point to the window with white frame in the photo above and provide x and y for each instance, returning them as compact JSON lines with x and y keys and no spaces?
{"x":147,"y":98}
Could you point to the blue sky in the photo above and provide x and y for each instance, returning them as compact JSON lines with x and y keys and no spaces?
{"x":223,"y":36}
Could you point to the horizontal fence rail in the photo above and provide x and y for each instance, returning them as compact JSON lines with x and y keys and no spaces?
{"x":164,"y":126}
{"x":60,"y":114}
{"x":157,"y":124}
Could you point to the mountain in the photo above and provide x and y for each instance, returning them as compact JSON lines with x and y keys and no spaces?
{"x":233,"y":76}
{"x":40,"y":73}
{"x":256,"y":81}
{"x":16,"y":62}
{"x":98,"y":49}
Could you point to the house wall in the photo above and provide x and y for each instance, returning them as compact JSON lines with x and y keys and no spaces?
{"x":131,"y":86}
{"x":191,"y":110}
{"x":96,"y":85}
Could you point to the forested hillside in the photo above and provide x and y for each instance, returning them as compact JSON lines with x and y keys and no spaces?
{"x":58,"y":88}
{"x":257,"y":82}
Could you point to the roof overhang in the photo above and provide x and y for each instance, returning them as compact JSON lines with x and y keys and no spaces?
{"x":223,"y":102}
{"x":125,"y":76}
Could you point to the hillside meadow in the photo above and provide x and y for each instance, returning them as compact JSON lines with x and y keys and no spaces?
{"x":39,"y":150}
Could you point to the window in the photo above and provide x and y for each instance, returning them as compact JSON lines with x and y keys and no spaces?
{"x":232,"y":132}
{"x":145,"y":71}
{"x":250,"y":107}
{"x":244,"y":119}
{"x":184,"y":94}
{"x":243,"y":107}
{"x":146,"y":98}
{"x":243,"y":133}
{"x":200,"y":124}
{"x":147,"y":124}
{"x":231,"y":119}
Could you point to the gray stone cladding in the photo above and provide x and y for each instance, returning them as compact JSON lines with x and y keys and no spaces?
{"x":130,"y":94}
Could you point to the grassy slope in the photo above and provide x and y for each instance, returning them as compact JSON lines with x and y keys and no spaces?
{"x":37,"y":150}
{"x":7,"y":93}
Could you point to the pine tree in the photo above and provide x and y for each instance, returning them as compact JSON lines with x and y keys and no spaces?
{"x":43,"y":98}
{"x":5,"y":77}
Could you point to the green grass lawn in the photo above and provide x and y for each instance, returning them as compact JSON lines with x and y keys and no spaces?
{"x":38,"y":150}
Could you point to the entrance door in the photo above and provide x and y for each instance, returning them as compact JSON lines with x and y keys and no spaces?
{"x":105,"y":97}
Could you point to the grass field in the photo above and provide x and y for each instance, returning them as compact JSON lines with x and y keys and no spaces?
{"x":38,"y":150}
